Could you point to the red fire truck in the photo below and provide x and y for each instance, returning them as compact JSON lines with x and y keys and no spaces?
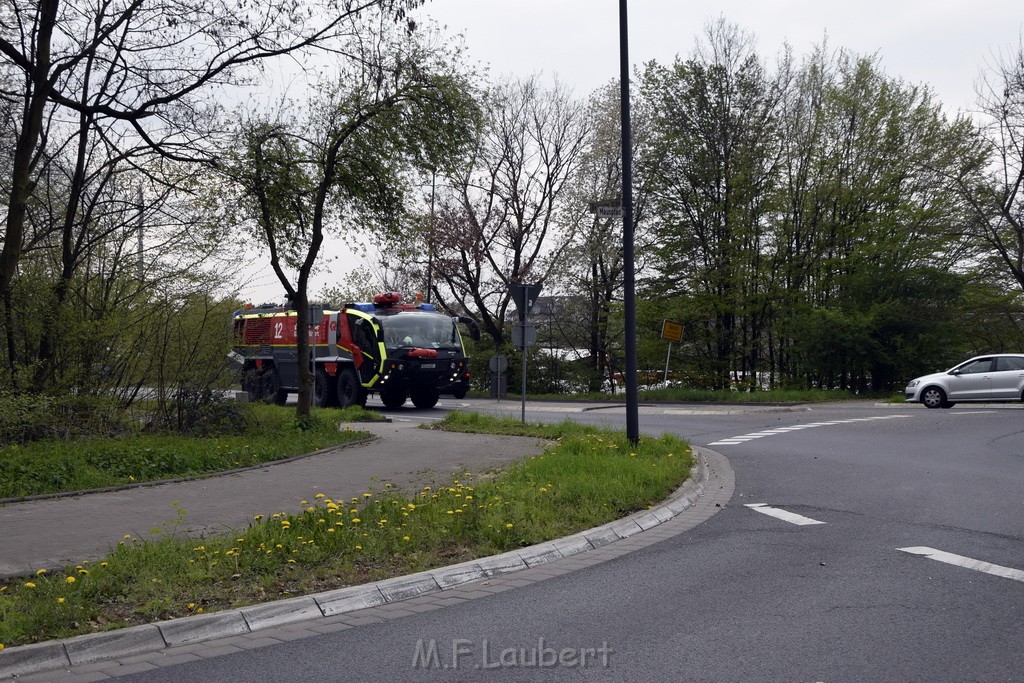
{"x":399,"y":350}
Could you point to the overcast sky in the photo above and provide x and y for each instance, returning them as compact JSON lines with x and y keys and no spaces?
{"x":943,"y":43}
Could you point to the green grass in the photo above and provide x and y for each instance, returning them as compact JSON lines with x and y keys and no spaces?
{"x":587,"y":477}
{"x":270,"y":433}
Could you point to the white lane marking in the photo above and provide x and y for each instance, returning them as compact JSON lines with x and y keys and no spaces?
{"x":967,"y":562}
{"x":784,"y":515}
{"x":743,"y":438}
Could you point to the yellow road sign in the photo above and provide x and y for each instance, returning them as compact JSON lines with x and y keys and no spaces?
{"x":672,"y":331}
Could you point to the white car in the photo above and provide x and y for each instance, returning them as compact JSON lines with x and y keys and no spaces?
{"x":996,"y":377}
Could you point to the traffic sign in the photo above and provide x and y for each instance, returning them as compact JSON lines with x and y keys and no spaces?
{"x":672,"y":331}
{"x":609,"y":212}
{"x":524,"y":296}
{"x":523,"y":336}
{"x":498,"y":363}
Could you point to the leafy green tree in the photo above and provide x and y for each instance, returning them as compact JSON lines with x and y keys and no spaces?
{"x":132,"y":72}
{"x":710,"y":169}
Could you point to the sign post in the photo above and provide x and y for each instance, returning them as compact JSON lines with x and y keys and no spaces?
{"x":673,"y":332}
{"x":524,"y":335}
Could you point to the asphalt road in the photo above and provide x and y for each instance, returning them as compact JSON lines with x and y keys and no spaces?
{"x":820,"y":568}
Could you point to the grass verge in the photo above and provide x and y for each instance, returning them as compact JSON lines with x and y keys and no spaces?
{"x":683,"y":395}
{"x":270,"y":433}
{"x":587,"y":477}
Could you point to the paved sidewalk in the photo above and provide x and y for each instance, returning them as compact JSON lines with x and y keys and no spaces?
{"x":51,"y":533}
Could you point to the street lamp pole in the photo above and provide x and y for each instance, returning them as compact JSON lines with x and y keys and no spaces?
{"x":629,"y":275}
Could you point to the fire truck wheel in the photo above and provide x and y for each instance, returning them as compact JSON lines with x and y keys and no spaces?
{"x":350,"y":392}
{"x":425,"y":398}
{"x":268,"y":386}
{"x":460,"y":394}
{"x":252,"y":385}
{"x":392,"y":399}
{"x":325,"y":392}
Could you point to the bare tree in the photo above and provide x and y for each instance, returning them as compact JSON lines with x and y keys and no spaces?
{"x":993,"y":183}
{"x":505,"y":217}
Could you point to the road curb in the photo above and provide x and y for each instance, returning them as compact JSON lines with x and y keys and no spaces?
{"x":95,"y":647}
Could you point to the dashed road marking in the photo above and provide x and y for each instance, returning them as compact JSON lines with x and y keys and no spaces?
{"x":966,"y":562}
{"x":784,"y":515}
{"x":743,"y":438}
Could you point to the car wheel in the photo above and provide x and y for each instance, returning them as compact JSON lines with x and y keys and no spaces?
{"x":947,"y":404}
{"x":933,"y":397}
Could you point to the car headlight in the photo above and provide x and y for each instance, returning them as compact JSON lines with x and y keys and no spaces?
{"x":913,"y":383}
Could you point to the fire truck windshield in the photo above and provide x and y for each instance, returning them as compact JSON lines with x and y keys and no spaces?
{"x":422,"y":330}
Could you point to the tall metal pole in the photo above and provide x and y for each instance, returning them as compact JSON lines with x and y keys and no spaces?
{"x":430,"y":235}
{"x":629,"y":276}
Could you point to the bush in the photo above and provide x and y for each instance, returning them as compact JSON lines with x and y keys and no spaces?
{"x":34,"y":417}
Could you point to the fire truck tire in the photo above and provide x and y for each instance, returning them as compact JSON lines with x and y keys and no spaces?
{"x":460,"y":394}
{"x":392,"y":399}
{"x":325,"y":390}
{"x":425,"y":398}
{"x":350,"y":391}
{"x":272,"y":391}
{"x":252,"y":385}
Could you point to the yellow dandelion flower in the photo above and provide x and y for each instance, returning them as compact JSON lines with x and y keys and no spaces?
{"x":1,"y":646}
{"x":330,"y":530}
{"x":104,"y":564}
{"x":359,"y":547}
{"x":411,"y":506}
{"x":40,"y":572}
{"x":60,"y":601}
{"x":83,"y":572}
{"x":319,"y":495}
{"x":191,"y":605}
{"x":356,"y":520}
{"x":291,"y":561}
{"x":508,"y":526}
{"x":29,"y":584}
{"x":302,"y":502}
{"x":406,"y":538}
{"x":127,"y":537}
{"x":199,"y":610}
{"x":69,"y":579}
{"x":367,"y":495}
{"x":258,"y":517}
